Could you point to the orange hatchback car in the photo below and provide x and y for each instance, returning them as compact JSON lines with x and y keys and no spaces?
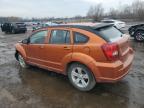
{"x":87,"y":54}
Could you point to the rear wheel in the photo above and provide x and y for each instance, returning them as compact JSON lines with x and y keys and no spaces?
{"x":22,"y":62}
{"x":139,"y":35}
{"x":81,"y":77}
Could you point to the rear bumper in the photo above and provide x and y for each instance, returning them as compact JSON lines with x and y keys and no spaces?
{"x":112,"y":72}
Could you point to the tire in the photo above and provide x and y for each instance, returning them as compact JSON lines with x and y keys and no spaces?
{"x":22,"y":62}
{"x":24,"y":31}
{"x":13,"y":31}
{"x":139,"y":36}
{"x":131,"y":31}
{"x":81,"y":77}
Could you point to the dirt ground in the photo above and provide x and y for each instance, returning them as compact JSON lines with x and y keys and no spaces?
{"x":38,"y":88}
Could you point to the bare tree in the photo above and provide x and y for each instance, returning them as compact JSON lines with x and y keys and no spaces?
{"x":113,"y":13}
{"x":96,"y":12}
{"x":138,"y":9}
{"x":135,"y":11}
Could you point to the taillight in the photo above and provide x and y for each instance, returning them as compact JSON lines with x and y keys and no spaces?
{"x":111,"y":51}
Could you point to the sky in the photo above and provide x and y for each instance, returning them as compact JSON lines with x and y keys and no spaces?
{"x":54,"y":8}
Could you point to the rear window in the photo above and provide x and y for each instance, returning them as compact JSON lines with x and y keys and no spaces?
{"x":111,"y":34}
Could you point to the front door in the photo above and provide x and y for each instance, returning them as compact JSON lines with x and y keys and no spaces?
{"x":35,"y":46}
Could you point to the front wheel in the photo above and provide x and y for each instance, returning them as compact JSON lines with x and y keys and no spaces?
{"x":22,"y":62}
{"x":139,"y":36}
{"x":81,"y":77}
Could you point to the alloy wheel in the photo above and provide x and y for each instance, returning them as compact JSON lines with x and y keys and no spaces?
{"x":79,"y":77}
{"x":140,"y":36}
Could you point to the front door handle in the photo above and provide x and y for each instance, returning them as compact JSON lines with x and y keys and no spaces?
{"x":67,"y":48}
{"x":41,"y":46}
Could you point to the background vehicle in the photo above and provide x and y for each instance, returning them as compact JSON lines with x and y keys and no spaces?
{"x":15,"y":27}
{"x":118,"y":24}
{"x":137,"y":31}
{"x":87,"y":54}
{"x":41,"y":25}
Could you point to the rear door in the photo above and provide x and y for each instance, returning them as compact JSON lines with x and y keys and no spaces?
{"x":58,"y":50}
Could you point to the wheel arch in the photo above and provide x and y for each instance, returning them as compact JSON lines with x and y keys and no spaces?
{"x":19,"y":50}
{"x":16,"y":55}
{"x":85,"y":60}
{"x":139,"y":29}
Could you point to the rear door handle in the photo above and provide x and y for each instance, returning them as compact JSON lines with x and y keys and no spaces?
{"x":67,"y":48}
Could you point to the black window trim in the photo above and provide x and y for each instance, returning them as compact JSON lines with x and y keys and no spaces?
{"x":49,"y":41}
{"x":36,"y":33}
{"x":81,"y":34}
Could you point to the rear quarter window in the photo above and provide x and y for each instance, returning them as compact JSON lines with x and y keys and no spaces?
{"x":80,"y":38}
{"x":111,"y":34}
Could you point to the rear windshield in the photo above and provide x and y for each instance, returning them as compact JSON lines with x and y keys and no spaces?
{"x":111,"y":34}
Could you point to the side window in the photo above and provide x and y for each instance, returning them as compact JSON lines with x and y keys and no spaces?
{"x":60,"y":37}
{"x":80,"y":38}
{"x":38,"y":38}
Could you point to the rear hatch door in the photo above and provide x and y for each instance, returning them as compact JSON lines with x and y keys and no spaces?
{"x":124,"y":48}
{"x":113,"y":35}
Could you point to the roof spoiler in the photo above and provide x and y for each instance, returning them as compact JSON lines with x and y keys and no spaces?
{"x":104,"y":25}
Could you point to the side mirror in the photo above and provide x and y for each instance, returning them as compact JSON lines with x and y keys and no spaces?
{"x":25,"y":41}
